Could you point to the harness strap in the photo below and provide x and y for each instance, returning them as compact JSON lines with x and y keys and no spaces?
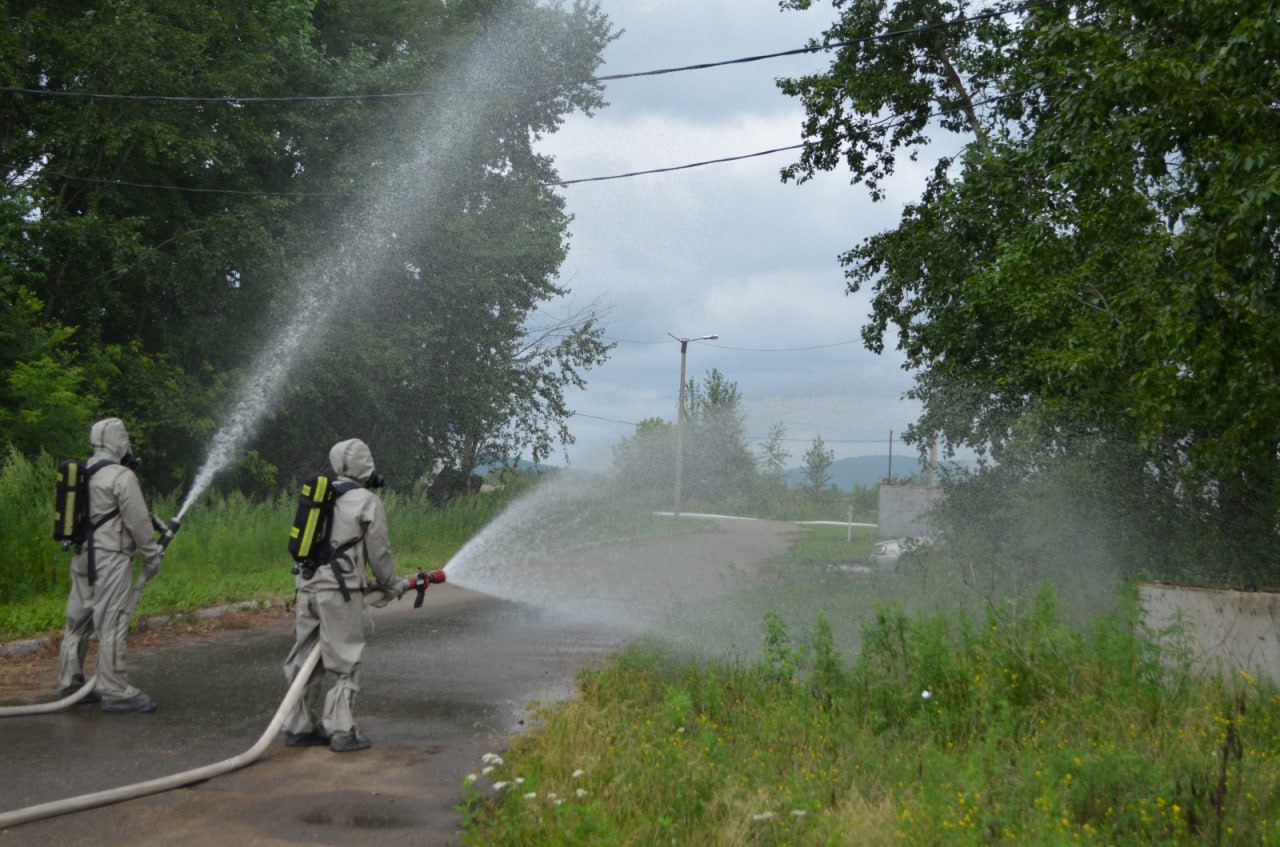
{"x":337,"y":571}
{"x":337,"y":553}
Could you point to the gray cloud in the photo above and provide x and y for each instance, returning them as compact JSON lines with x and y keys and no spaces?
{"x":726,"y":248}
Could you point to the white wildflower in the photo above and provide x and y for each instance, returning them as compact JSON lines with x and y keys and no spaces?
{"x":471,"y":777}
{"x":580,"y":793}
{"x":532,"y":795}
{"x":519,"y":780}
{"x":488,"y":769}
{"x":491,"y":759}
{"x":763,"y":816}
{"x":926,"y":694}
{"x":578,"y":773}
{"x":498,"y":786}
{"x":798,"y":813}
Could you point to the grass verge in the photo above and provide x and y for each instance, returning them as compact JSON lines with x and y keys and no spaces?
{"x":1014,"y":728}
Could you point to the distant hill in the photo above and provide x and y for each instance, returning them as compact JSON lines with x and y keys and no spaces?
{"x":866,"y":471}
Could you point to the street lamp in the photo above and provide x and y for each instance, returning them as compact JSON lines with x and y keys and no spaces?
{"x":684,"y":349}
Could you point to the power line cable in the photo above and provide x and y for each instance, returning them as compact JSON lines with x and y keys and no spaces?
{"x":684,"y":167}
{"x":124,"y":183}
{"x":745,"y":349}
{"x":305,"y":98}
{"x":598,"y":418}
{"x":887,"y":122}
{"x":784,"y":349}
{"x":880,"y":440}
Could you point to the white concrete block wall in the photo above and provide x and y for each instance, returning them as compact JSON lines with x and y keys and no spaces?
{"x":904,"y":510}
{"x":1227,"y":631}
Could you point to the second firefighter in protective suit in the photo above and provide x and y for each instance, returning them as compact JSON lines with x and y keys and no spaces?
{"x":101,"y":571}
{"x":330,"y":606}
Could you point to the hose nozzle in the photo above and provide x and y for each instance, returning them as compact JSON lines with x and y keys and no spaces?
{"x":167,"y":533}
{"x":421,"y":582}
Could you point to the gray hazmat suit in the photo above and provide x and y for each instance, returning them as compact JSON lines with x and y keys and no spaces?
{"x":321,"y":614}
{"x":105,"y":605}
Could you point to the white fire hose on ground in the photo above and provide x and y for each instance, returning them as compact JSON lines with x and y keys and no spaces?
{"x":57,"y":705}
{"x":178,"y":780}
{"x":155,"y":786}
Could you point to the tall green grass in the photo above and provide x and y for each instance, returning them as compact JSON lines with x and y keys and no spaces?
{"x":30,"y":562}
{"x":230,"y":548}
{"x":1016,"y":728}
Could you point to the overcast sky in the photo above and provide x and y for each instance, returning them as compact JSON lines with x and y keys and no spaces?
{"x":725,"y":249}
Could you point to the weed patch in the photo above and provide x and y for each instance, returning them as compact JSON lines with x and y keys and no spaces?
{"x":1013,"y":729}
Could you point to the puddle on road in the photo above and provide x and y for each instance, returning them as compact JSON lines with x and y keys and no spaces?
{"x":354,"y":819}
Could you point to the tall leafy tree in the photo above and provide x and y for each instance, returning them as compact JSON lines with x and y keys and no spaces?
{"x":1097,"y":263}
{"x":120,"y":213}
{"x":718,"y":462}
{"x":459,"y":354}
{"x":817,"y":465}
{"x":774,"y":453}
{"x":166,"y":175}
{"x":717,"y":466}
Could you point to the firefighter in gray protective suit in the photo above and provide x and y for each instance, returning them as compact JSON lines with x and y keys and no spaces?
{"x":330,"y":606}
{"x":101,"y":573}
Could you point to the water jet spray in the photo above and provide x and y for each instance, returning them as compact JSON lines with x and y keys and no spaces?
{"x":367,"y":237}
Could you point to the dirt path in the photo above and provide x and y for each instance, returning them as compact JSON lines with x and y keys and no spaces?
{"x":441,"y":686}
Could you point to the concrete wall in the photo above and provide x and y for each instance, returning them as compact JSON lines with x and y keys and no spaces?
{"x":904,"y":510}
{"x":1227,"y":631}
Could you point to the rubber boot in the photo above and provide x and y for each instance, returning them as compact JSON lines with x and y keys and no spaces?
{"x":139,"y":703}
{"x":314,"y":738}
{"x":348,"y":742}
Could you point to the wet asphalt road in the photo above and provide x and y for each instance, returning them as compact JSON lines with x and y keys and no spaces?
{"x":441,"y":686}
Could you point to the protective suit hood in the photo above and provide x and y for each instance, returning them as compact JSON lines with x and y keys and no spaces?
{"x":352,"y":458}
{"x":110,"y":437}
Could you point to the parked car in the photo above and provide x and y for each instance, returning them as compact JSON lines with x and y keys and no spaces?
{"x":884,"y":556}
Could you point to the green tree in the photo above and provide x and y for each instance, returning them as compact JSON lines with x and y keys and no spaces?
{"x":774,"y":453}
{"x":817,"y":465}
{"x":467,"y":367}
{"x":717,"y":466}
{"x":718,"y":463}
{"x":162,"y":237}
{"x":116,"y":212}
{"x":1093,"y":274}
{"x":44,"y":401}
{"x":644,"y":463}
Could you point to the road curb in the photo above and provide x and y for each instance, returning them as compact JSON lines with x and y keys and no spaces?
{"x":26,"y":646}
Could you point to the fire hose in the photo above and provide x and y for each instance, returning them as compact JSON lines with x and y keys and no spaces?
{"x":178,"y":780}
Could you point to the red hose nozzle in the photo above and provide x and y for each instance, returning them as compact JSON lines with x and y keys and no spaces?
{"x":421,"y":582}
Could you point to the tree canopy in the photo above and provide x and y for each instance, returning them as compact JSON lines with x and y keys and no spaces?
{"x":1090,"y":273}
{"x":717,"y":465}
{"x":175,"y":174}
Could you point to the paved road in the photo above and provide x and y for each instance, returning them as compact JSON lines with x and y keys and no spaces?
{"x":442,"y":686}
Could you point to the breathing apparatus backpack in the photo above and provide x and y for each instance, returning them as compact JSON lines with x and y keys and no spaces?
{"x":312,"y":525}
{"x":71,"y":521}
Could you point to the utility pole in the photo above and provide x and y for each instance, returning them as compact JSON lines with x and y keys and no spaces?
{"x":684,"y":349}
